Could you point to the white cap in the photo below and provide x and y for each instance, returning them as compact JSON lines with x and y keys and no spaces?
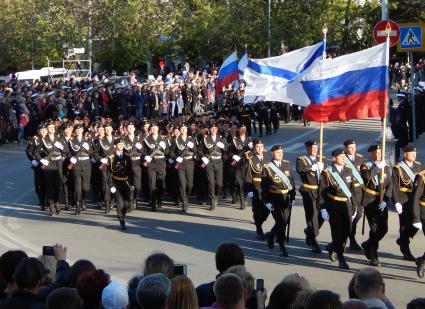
{"x":115,"y":296}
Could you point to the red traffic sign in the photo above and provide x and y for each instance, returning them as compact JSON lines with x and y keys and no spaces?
{"x":381,"y":29}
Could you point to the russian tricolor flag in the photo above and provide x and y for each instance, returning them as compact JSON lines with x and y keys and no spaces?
{"x":353,"y":86}
{"x":228,"y":72}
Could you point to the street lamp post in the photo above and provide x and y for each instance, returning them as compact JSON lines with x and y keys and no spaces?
{"x":269,"y":28}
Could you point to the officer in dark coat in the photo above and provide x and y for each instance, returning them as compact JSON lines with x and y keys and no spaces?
{"x":278,"y":193}
{"x":404,"y":174}
{"x":419,"y":215}
{"x":68,"y":185}
{"x":335,"y":201}
{"x":375,"y":206}
{"x":354,"y":160}
{"x":309,"y":168}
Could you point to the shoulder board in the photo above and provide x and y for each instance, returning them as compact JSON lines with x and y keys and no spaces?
{"x":397,"y":165}
{"x":417,"y":162}
{"x":360,"y":155}
{"x":285,"y":161}
{"x":111,"y":156}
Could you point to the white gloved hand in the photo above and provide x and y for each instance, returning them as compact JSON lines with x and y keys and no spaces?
{"x":44,"y":162}
{"x":325,"y":214}
{"x":162,"y":144}
{"x":269,"y":206}
{"x":205,"y":160}
{"x":171,"y":161}
{"x":250,"y":194}
{"x":320,"y":165}
{"x":269,"y":110}
{"x":190,"y":144}
{"x":86,"y":146}
{"x":250,"y":145}
{"x":93,"y":160}
{"x":418,"y":225}
{"x":255,"y":114}
{"x":381,"y":164}
{"x":314,"y":167}
{"x":138,"y":145}
{"x":104,"y":161}
{"x":220,"y":145}
{"x":34,"y":163}
{"x":179,"y":159}
{"x":131,"y":188}
{"x":148,"y":159}
{"x":399,"y":208}
{"x":58,"y":145}
{"x":382,"y":206}
{"x":354,"y":215}
{"x":236,"y":158}
{"x":73,"y":160}
{"x":113,"y":190}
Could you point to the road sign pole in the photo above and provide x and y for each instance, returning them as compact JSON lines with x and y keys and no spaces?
{"x":412,"y":87}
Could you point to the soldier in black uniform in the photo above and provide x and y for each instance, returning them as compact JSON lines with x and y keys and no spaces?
{"x":39,"y":182}
{"x":245,"y":117}
{"x":183,"y":150}
{"x":155,"y":150}
{"x":80,"y":151}
{"x":255,"y":163}
{"x":278,"y":193}
{"x":212,"y":151}
{"x":404,"y":174}
{"x":133,"y":147}
{"x":240,"y":144}
{"x":419,"y":215}
{"x":49,"y":153}
{"x":309,"y":168}
{"x":354,"y":160}
{"x":121,"y":180}
{"x":68,"y":185}
{"x":96,"y":174}
{"x":335,"y":201}
{"x":375,"y":207}
{"x":104,"y":150}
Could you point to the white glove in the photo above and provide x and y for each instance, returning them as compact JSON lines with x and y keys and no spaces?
{"x":162,"y":144}
{"x":73,"y":160}
{"x":148,"y":159}
{"x":44,"y":162}
{"x":354,"y":215}
{"x":104,"y":161}
{"x":269,"y":110}
{"x":93,"y":160}
{"x":179,"y":159}
{"x":131,"y":188}
{"x":250,"y":194}
{"x":381,"y":164}
{"x":314,"y":167}
{"x":269,"y":206}
{"x":220,"y":145}
{"x":236,"y":158}
{"x":325,"y":214}
{"x":418,"y":225}
{"x":62,"y":158}
{"x":399,"y":208}
{"x":113,"y":190}
{"x":138,"y":145}
{"x":320,"y":165}
{"x":250,"y":145}
{"x":205,"y":160}
{"x":255,"y":114}
{"x":382,"y":206}
{"x":58,"y":145}
{"x":190,"y":144}
{"x":34,"y":163}
{"x":86,"y":146}
{"x":171,"y":161}
{"x":277,"y":114}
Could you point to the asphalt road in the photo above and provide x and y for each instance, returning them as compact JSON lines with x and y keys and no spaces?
{"x":193,"y":237}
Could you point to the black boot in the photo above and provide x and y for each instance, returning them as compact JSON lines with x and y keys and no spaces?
{"x":270,"y":240}
{"x":260,"y":233}
{"x":374,"y":261}
{"x":243,"y":202}
{"x":50,"y":210}
{"x":420,"y":267}
{"x":122,"y":224}
{"x":283,"y":252}
{"x":43,"y":206}
{"x":342,"y":264}
{"x":153,"y":206}
{"x":107,"y":207}
{"x":308,"y":240}
{"x":354,"y":245}
{"x":57,"y":208}
{"x":331,"y":252}
{"x":77,"y":209}
{"x":405,"y":250}
{"x":315,"y":248}
{"x":366,"y":249}
{"x":66,"y":207}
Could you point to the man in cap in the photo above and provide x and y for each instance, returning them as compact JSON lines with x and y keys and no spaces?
{"x":309,"y":168}
{"x":404,"y":173}
{"x":335,"y":201}
{"x":418,"y":218}
{"x":375,"y":199}
{"x":121,"y":179}
{"x":255,"y":163}
{"x":211,"y":151}
{"x":354,"y":160}
{"x":278,"y":193}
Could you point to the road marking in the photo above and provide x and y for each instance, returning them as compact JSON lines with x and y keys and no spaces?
{"x":301,"y":136}
{"x":294,"y":146}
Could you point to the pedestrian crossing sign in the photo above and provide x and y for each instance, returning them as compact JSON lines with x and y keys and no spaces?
{"x":412,"y":37}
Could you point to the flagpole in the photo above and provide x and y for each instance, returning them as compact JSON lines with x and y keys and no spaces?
{"x":324,"y":31}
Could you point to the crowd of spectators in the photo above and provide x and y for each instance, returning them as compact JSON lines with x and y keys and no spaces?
{"x":50,"y":282}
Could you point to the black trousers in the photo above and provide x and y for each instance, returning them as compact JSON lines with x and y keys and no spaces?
{"x":105,"y":195}
{"x":214,"y":171}
{"x":407,"y":230}
{"x":357,"y":206}
{"x":240,"y":173}
{"x":312,"y":213}
{"x":81,"y":174}
{"x":185,"y":174}
{"x":68,"y":185}
{"x":137,"y":173}
{"x":280,"y":215}
{"x":39,"y":184}
{"x":156,"y":174}
{"x":53,"y":178}
{"x":122,"y":197}
{"x":340,"y":223}
{"x":96,"y":181}
{"x":260,"y":212}
{"x":378,"y":224}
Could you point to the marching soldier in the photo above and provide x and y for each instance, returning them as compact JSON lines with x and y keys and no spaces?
{"x":133,"y":147}
{"x":255,"y":163}
{"x":104,"y":150}
{"x":335,"y":201}
{"x":121,"y":180}
{"x":68,"y":185}
{"x":96,"y":174}
{"x":278,"y":193}
{"x":155,"y":150}
{"x":309,"y":168}
{"x":404,"y":174}
{"x":419,"y":215}
{"x":213,"y":149}
{"x":183,"y":151}
{"x":354,"y":160}
{"x":375,"y":206}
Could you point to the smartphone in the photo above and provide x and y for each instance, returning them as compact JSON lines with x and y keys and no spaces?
{"x":180,"y":270}
{"x":48,"y":250}
{"x":260,"y":284}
